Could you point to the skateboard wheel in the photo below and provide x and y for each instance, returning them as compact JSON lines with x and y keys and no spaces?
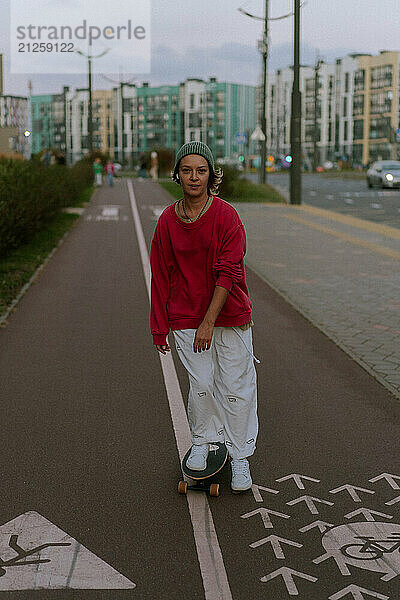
{"x":214,"y":489}
{"x":182,"y":487}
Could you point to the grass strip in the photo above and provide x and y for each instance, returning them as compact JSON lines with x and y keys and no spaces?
{"x":239,"y":191}
{"x":17,"y":268}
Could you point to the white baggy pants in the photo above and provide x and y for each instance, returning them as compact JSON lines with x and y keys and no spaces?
{"x":222,"y":403}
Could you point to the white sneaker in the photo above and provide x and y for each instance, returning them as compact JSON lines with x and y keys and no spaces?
{"x":197,"y":460}
{"x":241,"y":478}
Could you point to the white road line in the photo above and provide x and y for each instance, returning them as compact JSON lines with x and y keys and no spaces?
{"x":215,"y":580}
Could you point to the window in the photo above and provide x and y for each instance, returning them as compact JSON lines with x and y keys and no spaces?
{"x":382,"y":76}
{"x":191,"y":100}
{"x":346,"y":82}
{"x":381,"y":102}
{"x":346,"y":131}
{"x":379,"y":128}
{"x":358,"y":129}
{"x":345,"y":103}
{"x":358,"y":105}
{"x":359,"y":80}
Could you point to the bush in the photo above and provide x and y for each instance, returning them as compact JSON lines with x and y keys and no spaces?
{"x":32,"y":194}
{"x":236,"y":187}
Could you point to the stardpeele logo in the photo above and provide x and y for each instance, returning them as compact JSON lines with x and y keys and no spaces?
{"x":51,"y":36}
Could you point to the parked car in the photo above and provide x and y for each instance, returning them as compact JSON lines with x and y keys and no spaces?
{"x":385,"y":173}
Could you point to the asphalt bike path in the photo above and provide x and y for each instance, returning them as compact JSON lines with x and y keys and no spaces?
{"x":89,"y":445}
{"x":85,"y":423}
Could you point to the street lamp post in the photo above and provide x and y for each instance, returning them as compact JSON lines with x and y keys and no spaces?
{"x":122,"y":84}
{"x":90,"y":107}
{"x":295,"y":124}
{"x":264,"y":49}
{"x":263,"y":46}
{"x":264,"y":95}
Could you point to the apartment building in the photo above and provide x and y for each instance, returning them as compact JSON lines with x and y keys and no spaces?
{"x":130,"y":119}
{"x":350,"y":110}
{"x":48,"y":113}
{"x":376,"y":104}
{"x":76,"y":123}
{"x":14,"y":122}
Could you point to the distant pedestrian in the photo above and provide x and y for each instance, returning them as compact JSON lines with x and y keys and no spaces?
{"x":142,"y":165}
{"x":46,"y":157}
{"x":98,"y":172}
{"x":110,"y":171}
{"x":154,"y":166}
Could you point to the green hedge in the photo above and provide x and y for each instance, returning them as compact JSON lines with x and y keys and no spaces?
{"x":31,"y":195}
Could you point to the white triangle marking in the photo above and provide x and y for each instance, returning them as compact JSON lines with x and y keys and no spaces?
{"x":36,"y":554}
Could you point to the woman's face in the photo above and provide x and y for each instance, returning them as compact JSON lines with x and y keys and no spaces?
{"x":193,"y":174}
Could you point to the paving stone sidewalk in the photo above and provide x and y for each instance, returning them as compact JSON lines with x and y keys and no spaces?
{"x":343,"y":274}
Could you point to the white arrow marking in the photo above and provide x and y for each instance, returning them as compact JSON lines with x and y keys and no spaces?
{"x":352,"y":491}
{"x":297,"y":479}
{"x":35,"y":553}
{"x":156,"y":210}
{"x":287,"y":575}
{"x":310,"y":501}
{"x":110,"y":211}
{"x":357,"y":593}
{"x":367,"y":513}
{"x":276,"y":544}
{"x":389,"y":478}
{"x":256,"y":492}
{"x":265,"y":512}
{"x":322,"y":526}
{"x":338,"y":558}
{"x":395,"y":501}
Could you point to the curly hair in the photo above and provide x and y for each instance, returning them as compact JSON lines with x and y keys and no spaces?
{"x":214,"y":180}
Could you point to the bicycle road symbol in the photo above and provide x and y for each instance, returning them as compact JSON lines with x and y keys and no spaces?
{"x":371,"y":548}
{"x":18,"y":561}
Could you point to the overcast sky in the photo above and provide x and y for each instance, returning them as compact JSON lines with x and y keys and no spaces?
{"x":203,"y":38}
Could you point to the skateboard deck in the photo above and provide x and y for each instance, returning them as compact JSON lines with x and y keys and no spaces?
{"x":217,"y":458}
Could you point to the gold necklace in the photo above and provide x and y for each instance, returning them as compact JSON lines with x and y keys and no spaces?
{"x":200,"y":213}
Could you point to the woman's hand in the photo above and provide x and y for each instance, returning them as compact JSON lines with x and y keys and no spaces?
{"x":204,"y":333}
{"x":163,"y":349}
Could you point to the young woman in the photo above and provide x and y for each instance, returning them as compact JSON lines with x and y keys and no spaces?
{"x":200,"y":293}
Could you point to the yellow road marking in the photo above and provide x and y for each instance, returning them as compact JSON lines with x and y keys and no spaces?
{"x":348,"y":238}
{"x":385,"y":230}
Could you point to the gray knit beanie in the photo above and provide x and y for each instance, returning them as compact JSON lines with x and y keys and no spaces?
{"x":194,"y":148}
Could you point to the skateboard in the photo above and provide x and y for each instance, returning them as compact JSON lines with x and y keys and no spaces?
{"x":217,"y":458}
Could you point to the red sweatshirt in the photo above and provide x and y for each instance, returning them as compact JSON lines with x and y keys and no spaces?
{"x":188,"y":260}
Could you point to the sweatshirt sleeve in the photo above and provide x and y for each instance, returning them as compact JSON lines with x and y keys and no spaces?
{"x":159,"y":293}
{"x":229,"y":265}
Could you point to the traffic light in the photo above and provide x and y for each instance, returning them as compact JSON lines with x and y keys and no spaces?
{"x":287,"y":161}
{"x":241,"y":158}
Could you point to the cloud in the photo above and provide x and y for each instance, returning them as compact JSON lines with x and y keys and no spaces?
{"x":234,"y":62}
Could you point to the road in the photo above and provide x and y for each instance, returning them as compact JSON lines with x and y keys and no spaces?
{"x":91,"y":436}
{"x":347,"y":196}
